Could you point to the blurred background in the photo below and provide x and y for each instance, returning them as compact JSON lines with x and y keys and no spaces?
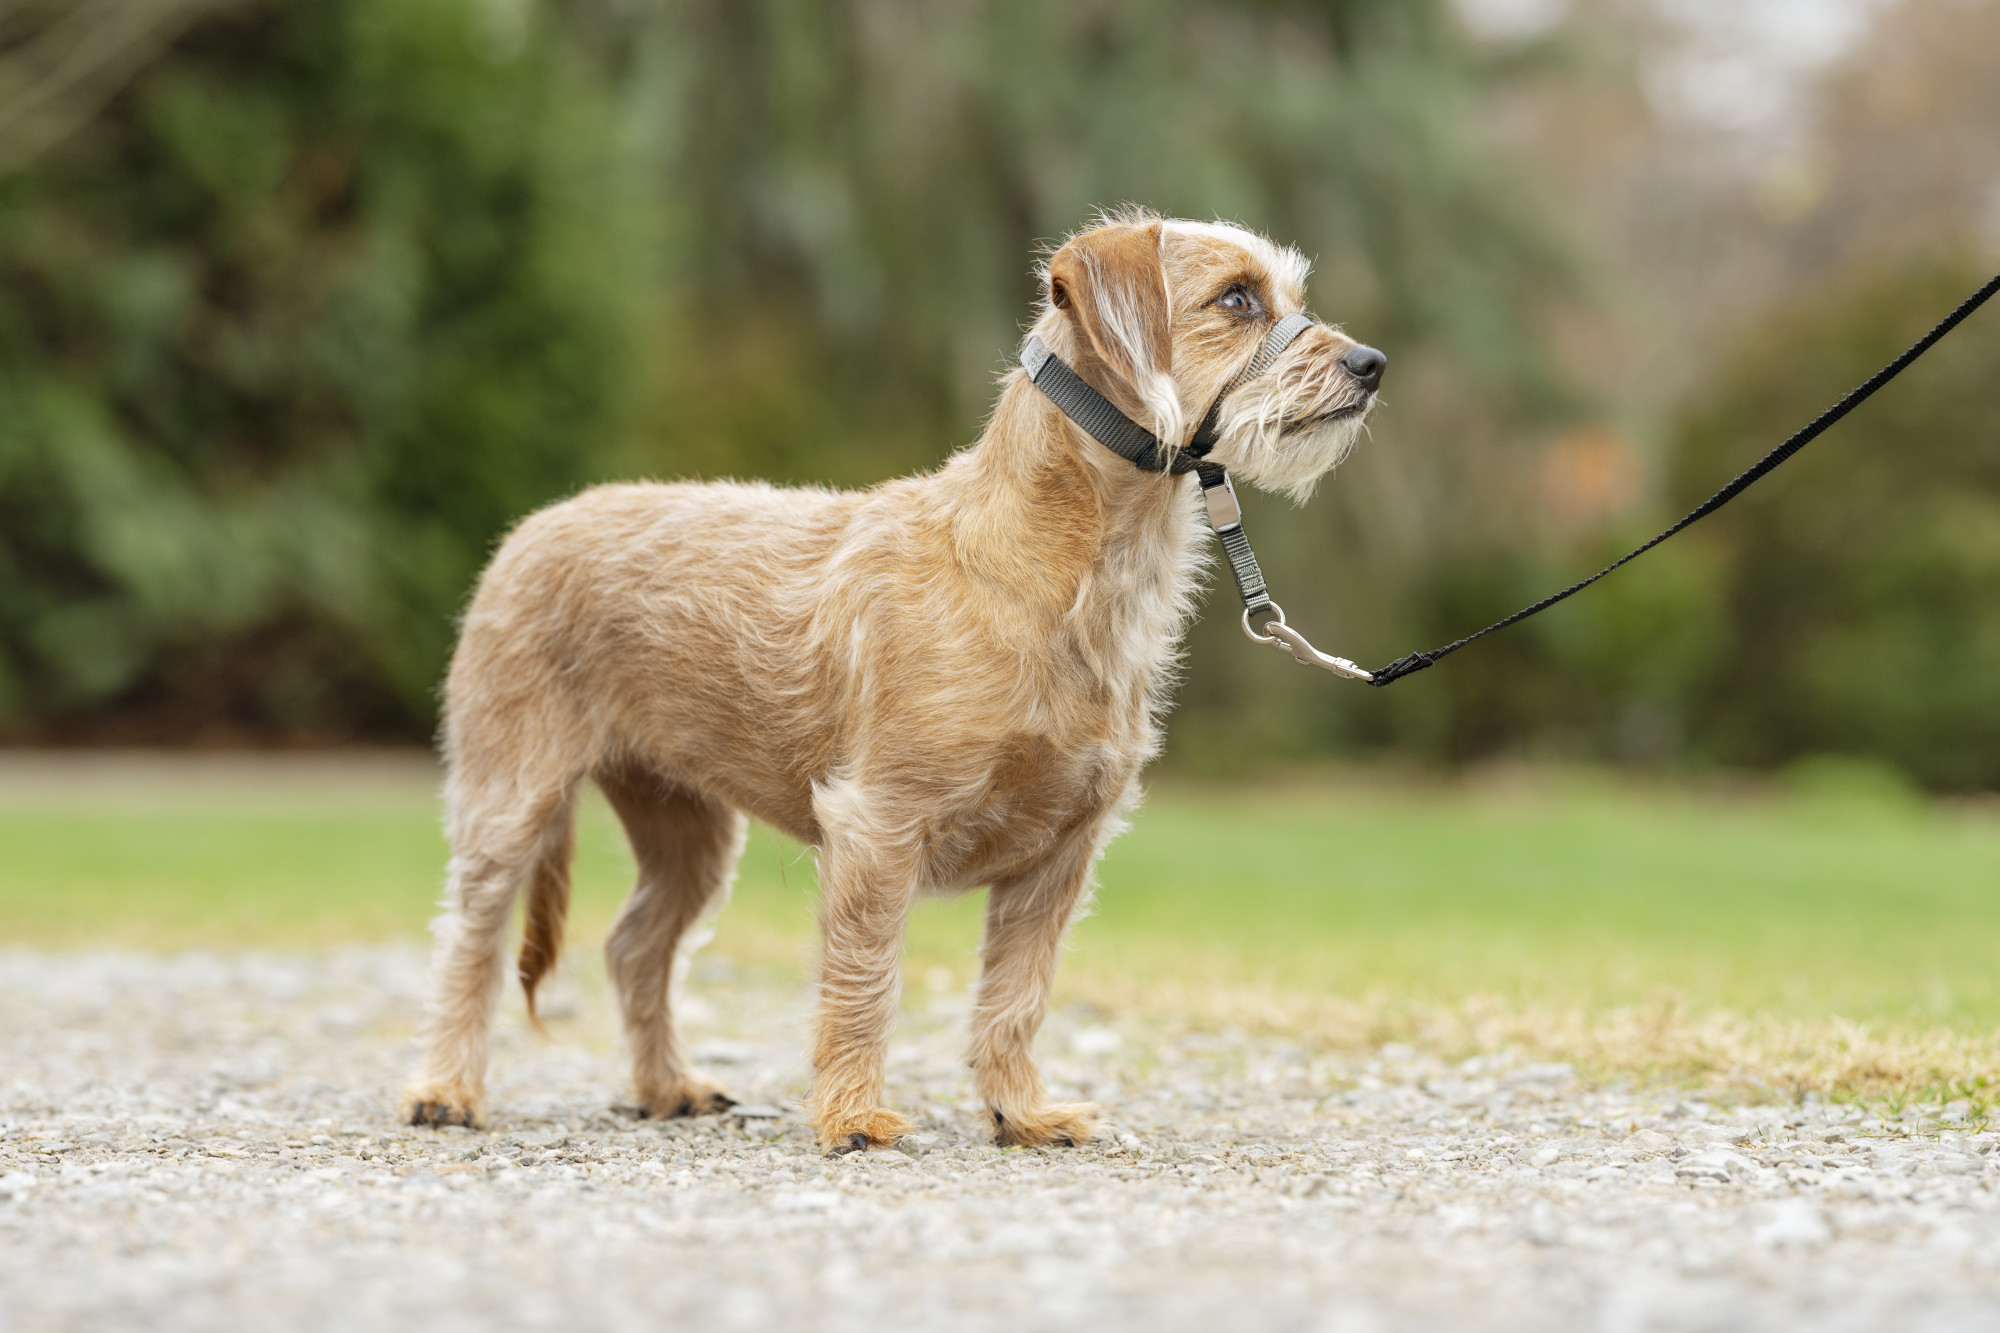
{"x":302,"y":304}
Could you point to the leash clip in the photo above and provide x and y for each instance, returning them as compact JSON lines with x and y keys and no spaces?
{"x":1296,"y":644}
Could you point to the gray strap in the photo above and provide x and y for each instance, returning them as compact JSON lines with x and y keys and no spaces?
{"x":1243,"y":564}
{"x":1218,"y":493}
{"x":1126,"y":438}
{"x":1283,"y":335}
{"x":1119,"y":433}
{"x":1094,"y":413}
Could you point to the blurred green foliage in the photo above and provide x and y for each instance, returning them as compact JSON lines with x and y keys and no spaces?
{"x":321,"y":302}
{"x":1860,"y":594}
{"x":330,"y":292}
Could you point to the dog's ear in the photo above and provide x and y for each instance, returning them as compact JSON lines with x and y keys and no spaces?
{"x":1111,"y":284}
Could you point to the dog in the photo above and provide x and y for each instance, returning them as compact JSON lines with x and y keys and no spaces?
{"x":946,"y":682}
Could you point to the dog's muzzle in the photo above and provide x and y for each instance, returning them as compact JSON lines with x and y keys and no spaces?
{"x":1363,"y":367}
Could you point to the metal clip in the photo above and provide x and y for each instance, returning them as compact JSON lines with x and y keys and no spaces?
{"x":1302,"y":652}
{"x":1223,"y":511}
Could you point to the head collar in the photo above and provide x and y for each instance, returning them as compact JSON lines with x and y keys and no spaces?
{"x":1127,"y":438}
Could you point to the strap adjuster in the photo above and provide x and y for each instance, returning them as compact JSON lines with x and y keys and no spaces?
{"x":1224,"y":513}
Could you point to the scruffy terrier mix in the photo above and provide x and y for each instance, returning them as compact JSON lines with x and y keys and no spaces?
{"x":944,"y":682}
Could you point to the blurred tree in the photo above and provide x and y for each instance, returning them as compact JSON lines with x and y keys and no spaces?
{"x":1862,"y":594}
{"x":63,"y":61}
{"x":321,"y":300}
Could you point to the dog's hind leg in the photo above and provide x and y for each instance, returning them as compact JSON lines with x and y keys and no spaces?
{"x":686,"y":846}
{"x":1026,"y":917}
{"x":507,"y":830}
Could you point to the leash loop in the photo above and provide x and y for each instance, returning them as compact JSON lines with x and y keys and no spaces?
{"x":1273,"y":609}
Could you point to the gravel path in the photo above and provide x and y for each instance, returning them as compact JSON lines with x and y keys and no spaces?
{"x":202,"y":1142}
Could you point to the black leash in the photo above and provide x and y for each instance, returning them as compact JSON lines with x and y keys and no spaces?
{"x":1415,"y":662}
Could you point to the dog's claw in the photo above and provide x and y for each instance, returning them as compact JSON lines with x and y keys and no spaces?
{"x":853,"y":1143}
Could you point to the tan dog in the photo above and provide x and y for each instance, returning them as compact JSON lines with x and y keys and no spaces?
{"x":944,"y":682}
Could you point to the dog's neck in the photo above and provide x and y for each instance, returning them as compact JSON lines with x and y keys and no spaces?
{"x":1079,"y":539}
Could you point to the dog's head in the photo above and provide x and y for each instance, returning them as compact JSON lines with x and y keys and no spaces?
{"x":1160,"y":315}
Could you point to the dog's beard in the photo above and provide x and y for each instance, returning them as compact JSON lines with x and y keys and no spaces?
{"x":1293,"y":428}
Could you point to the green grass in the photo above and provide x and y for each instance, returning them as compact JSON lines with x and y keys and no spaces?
{"x":1550,"y":887}
{"x":1589,"y":893}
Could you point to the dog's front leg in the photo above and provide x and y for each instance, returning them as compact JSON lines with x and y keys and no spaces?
{"x":867,"y":880}
{"x":1026,"y":917}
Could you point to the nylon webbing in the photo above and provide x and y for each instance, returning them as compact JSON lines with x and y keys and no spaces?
{"x":1283,"y":334}
{"x":1094,"y":413}
{"x":1243,"y":564}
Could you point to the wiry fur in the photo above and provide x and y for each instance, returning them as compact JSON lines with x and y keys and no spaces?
{"x":948,"y":681}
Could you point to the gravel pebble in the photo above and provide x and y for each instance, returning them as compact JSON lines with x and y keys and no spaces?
{"x":203,"y":1141}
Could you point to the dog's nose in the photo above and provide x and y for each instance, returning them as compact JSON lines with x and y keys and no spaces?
{"x":1365,"y":364}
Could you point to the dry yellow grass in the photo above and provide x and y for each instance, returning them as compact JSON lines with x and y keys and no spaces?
{"x":1665,"y":1041}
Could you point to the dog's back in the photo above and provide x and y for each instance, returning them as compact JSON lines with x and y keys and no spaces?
{"x":656,"y":623}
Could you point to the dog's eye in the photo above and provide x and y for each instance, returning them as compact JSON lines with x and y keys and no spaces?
{"x":1238,"y":301}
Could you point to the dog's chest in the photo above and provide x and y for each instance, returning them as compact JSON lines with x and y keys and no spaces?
{"x":1094,"y":722}
{"x":1131,"y":616}
{"x":1034,"y":796}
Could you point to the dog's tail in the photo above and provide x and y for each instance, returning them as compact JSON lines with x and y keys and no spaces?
{"x":545,"y":913}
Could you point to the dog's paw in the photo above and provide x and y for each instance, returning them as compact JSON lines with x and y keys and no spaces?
{"x":695,"y":1096}
{"x":1060,"y":1124}
{"x":442,"y":1106}
{"x":845,"y":1134}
